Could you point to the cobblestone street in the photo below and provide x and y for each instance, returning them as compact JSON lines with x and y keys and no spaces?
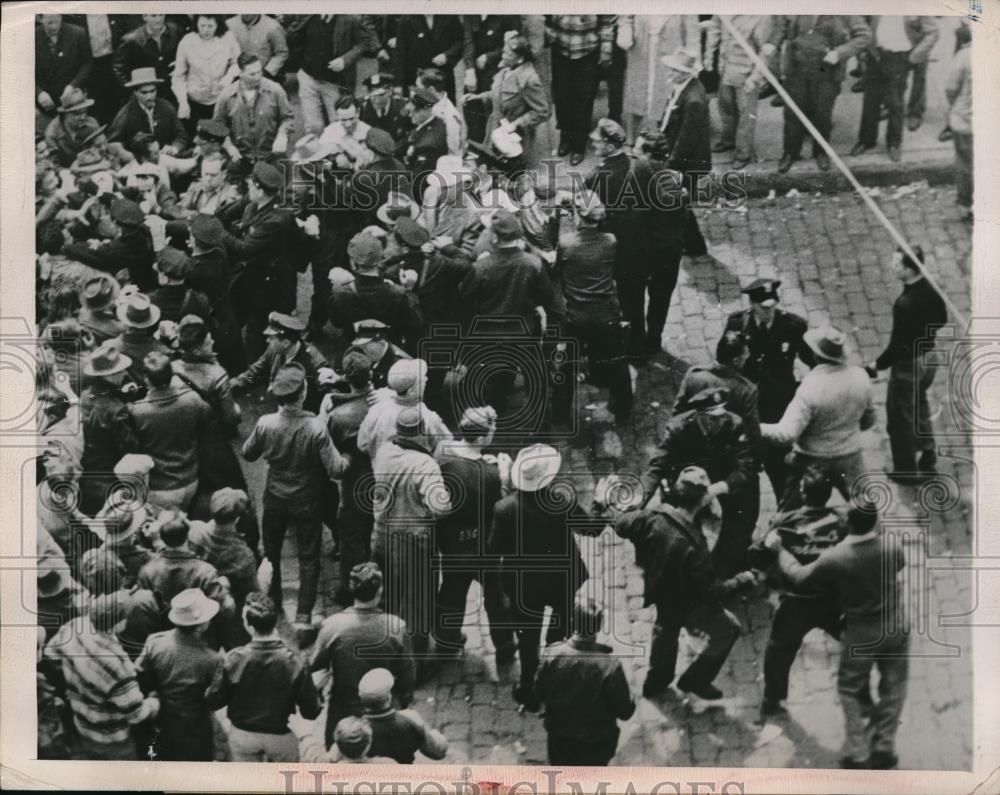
{"x":831,"y":256}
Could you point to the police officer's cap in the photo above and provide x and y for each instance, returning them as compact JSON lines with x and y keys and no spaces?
{"x":212,"y":130}
{"x":380,"y":81}
{"x":267,"y":176}
{"x":760,"y":291}
{"x":423,"y":98}
{"x":280,"y":323}
{"x":707,"y":398}
{"x":411,"y":233}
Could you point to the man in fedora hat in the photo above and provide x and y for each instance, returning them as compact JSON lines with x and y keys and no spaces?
{"x":108,"y":429}
{"x":263,"y":244}
{"x":151,"y":46}
{"x":819,"y":47}
{"x":774,"y":339}
{"x":100,"y":680}
{"x":824,"y":421}
{"x":680,"y":579}
{"x":146,"y":112}
{"x":403,"y":539}
{"x":382,"y":109}
{"x":98,"y":314}
{"x":140,"y":318}
{"x":67,"y":132}
{"x":302,"y":461}
{"x":363,"y":625}
{"x":687,"y":130}
{"x":131,"y":247}
{"x":179,"y":666}
{"x":585,"y":692}
{"x":706,"y":434}
{"x":540,"y":562}
{"x":62,"y":58}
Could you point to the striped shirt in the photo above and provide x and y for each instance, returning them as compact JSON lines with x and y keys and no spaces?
{"x":575,"y":36}
{"x":100,"y":681}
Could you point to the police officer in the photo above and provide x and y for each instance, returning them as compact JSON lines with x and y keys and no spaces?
{"x":707,"y":435}
{"x":774,"y":339}
{"x":426,"y":142}
{"x":264,"y":246}
{"x":383,"y":110}
{"x":285,"y":345}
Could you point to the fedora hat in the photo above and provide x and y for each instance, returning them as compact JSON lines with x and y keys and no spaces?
{"x":827,"y":343}
{"x":535,"y":467}
{"x":53,"y":576}
{"x":309,"y":148}
{"x":139,"y":312}
{"x":118,"y":521}
{"x":191,"y":607}
{"x":106,"y":360}
{"x":73,"y":98}
{"x":99,"y":293}
{"x":143,"y":76}
{"x":207,"y":230}
{"x":89,"y":161}
{"x":683,"y":59}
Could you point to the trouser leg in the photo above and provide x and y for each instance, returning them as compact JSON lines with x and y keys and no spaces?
{"x":964,"y":180}
{"x":776,"y":469}
{"x":746,"y":128}
{"x":631,"y":287}
{"x":894,"y":78}
{"x":562,"y":80}
{"x":583,"y":88}
{"x":900,"y":410}
{"x":917,"y":104}
{"x":824,"y":92}
{"x":449,"y":610}
{"x":529,"y":636}
{"x":615,"y":79}
{"x":319,"y":309}
{"x":573,"y":751}
{"x":794,"y":133}
{"x":871,"y":102}
{"x":739,"y":518}
{"x":308,"y":538}
{"x":274,"y":524}
{"x":722,"y":629}
{"x":728,"y":114}
{"x":853,"y":686}
{"x":893,"y":676}
{"x":663,"y":649}
{"x":793,"y":620}
{"x":664,"y":269}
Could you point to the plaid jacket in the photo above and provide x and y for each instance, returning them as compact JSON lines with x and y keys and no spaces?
{"x":577,"y":35}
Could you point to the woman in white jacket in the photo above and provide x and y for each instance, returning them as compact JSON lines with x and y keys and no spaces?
{"x":206,"y":63}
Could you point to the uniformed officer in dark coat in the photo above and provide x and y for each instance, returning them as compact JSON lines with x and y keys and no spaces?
{"x":264,"y":244}
{"x":370,"y":187}
{"x":426,"y":142}
{"x":706,"y":434}
{"x":284,"y":345}
{"x":774,"y":339}
{"x":383,"y":110}
{"x":371,"y":338}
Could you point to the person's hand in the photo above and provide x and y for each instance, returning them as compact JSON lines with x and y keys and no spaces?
{"x":744,"y":579}
{"x":265,"y":573}
{"x":342,"y":161}
{"x":336,"y":65}
{"x":183,"y":110}
{"x":605,"y":58}
{"x":152,"y":705}
{"x":45,"y":101}
{"x":441,"y":241}
{"x":392,"y":43}
{"x":326,"y":376}
{"x":752,"y":83}
{"x":440,"y":59}
{"x":170,"y":150}
{"x":383,"y":55}
{"x":280,"y":145}
{"x":625,"y":38}
{"x":768,"y":50}
{"x":772,"y":541}
{"x":427,"y":248}
{"x":832,"y":57}
{"x":481,"y":62}
{"x":93,"y":244}
{"x":718,"y":488}
{"x":310,"y":227}
{"x":408,"y":279}
{"x":470,"y":79}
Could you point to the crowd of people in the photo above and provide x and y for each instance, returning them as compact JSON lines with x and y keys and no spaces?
{"x":456,"y":302}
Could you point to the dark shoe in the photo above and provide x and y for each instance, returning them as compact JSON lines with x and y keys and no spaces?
{"x":850,"y":763}
{"x":576,"y":158}
{"x":740,"y":162}
{"x":767,"y":91}
{"x":305,"y":631}
{"x":913,"y":123}
{"x":822,"y":161}
{"x":707,"y":692}
{"x":882,"y":760}
{"x":894,"y":154}
{"x":928,"y":463}
{"x":859,"y":149}
{"x":563,"y":149}
{"x":945,"y":134}
{"x":785,"y":163}
{"x":777,"y":101}
{"x":772,"y":706}
{"x":858,"y":86}
{"x":505,"y":653}
{"x":720,"y":146}
{"x":654,"y":690}
{"x":525,"y":698}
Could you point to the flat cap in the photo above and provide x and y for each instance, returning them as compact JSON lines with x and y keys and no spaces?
{"x":267,"y":176}
{"x":763,"y":290}
{"x":191,"y":331}
{"x":505,"y":225}
{"x":229,"y":502}
{"x":404,"y":374}
{"x":379,"y":141}
{"x":376,"y":685}
{"x":410,"y":232}
{"x":173,"y":263}
{"x":212,"y":129}
{"x":207,"y":229}
{"x":289,"y":379}
{"x":369,"y":329}
{"x":609,"y":131}
{"x":409,"y":422}
{"x":707,"y":398}
{"x":127,"y":212}
{"x":379,"y":81}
